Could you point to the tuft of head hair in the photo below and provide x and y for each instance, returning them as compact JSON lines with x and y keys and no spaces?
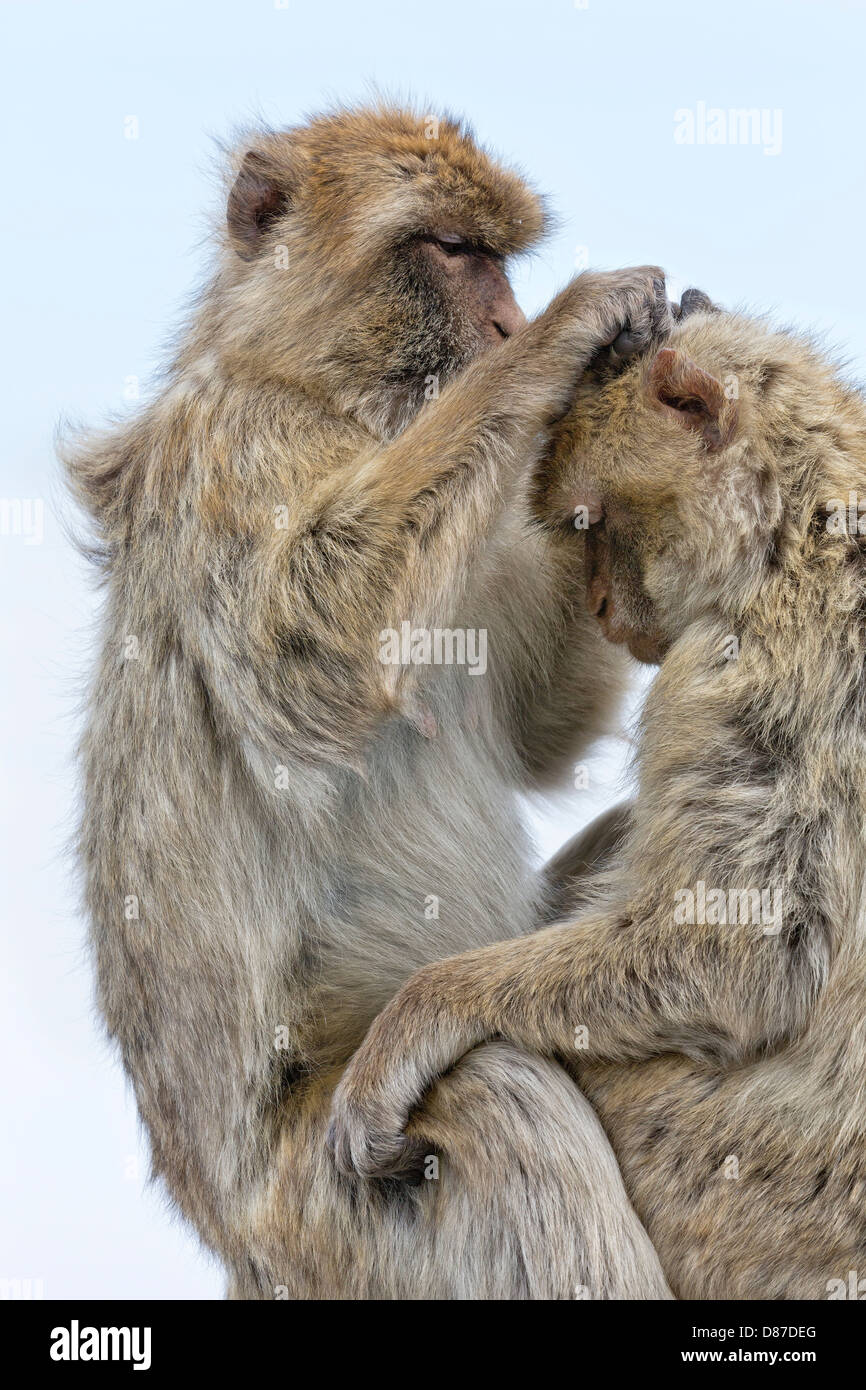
{"x":328,"y":291}
{"x":362,"y":175}
{"x":322,"y":281}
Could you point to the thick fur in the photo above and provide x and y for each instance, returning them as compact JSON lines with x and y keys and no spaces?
{"x":268,"y":809}
{"x":566,"y":878}
{"x":725,"y":1061}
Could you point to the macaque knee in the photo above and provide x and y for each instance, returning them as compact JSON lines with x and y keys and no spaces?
{"x":517,"y":1196}
{"x":515,"y":1139}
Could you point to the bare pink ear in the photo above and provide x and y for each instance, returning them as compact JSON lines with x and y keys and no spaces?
{"x":258,"y":196}
{"x":684,"y":390}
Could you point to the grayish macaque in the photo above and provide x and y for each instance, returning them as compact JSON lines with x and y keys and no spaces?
{"x":280,"y":825}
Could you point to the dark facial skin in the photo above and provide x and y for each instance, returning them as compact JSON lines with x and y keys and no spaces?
{"x":475,"y":279}
{"x":617,"y":540}
{"x":446,"y":301}
{"x":615,"y":593}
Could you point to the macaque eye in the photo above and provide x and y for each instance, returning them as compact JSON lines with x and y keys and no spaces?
{"x":452,"y":244}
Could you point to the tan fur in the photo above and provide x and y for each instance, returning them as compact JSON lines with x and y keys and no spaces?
{"x":268,"y":808}
{"x":725,"y":1060}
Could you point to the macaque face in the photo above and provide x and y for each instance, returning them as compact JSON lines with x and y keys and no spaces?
{"x":472,"y":281}
{"x":650,"y":468}
{"x":445,"y":300}
{"x":615,"y":592}
{"x":391,"y":248}
{"x":614,"y":487}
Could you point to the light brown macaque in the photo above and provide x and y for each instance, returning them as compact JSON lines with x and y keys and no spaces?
{"x":284,"y":818}
{"x":711,"y":995}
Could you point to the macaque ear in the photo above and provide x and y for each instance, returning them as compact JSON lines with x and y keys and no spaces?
{"x":259,"y":194}
{"x":684,"y":390}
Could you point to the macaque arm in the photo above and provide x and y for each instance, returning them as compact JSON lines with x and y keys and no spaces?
{"x":430,"y":496}
{"x":569,"y":879}
{"x":603,"y":987}
{"x":391,"y":538}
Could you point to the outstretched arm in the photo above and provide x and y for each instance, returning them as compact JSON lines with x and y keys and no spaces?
{"x":602,"y":987}
{"x":711,"y":941}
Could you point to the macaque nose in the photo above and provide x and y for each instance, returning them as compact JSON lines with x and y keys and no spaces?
{"x":596,"y":596}
{"x":597,"y":573}
{"x":501,"y":314}
{"x":507,"y":315}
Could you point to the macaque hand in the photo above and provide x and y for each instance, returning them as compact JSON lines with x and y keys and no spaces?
{"x":651,"y":320}
{"x":408,"y":1046}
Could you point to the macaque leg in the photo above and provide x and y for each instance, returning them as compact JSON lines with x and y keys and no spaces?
{"x":521,"y":1198}
{"x":564,"y":878}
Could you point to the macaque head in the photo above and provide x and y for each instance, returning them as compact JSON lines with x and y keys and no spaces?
{"x":366,"y":256}
{"x":688,"y":473}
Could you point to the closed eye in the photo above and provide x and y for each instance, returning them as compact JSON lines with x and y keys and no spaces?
{"x":452,"y":245}
{"x":455,"y":244}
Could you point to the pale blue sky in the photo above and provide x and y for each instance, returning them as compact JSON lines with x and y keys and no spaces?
{"x":103,"y":241}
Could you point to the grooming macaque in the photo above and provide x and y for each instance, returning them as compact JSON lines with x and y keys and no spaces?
{"x":279,"y":825}
{"x":712,"y":998}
